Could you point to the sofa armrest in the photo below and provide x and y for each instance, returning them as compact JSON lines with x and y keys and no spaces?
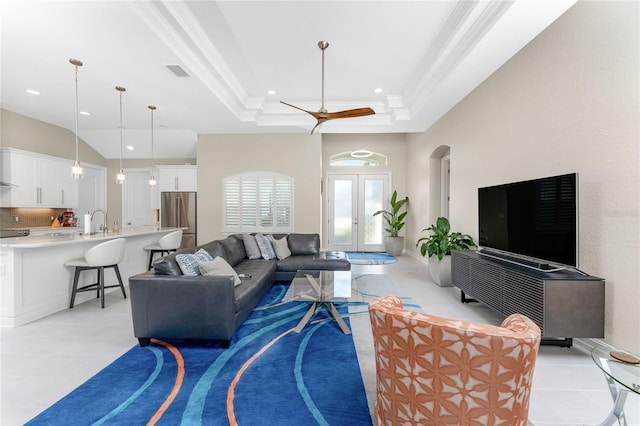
{"x":200,"y":307}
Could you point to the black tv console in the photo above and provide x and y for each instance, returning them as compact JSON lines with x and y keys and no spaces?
{"x":564,"y":303}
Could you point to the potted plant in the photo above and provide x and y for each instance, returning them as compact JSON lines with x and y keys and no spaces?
{"x":438,"y":247}
{"x":393,"y":243}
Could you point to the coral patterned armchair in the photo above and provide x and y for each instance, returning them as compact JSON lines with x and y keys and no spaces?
{"x":438,"y":371}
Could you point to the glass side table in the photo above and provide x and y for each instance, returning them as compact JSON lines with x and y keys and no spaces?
{"x":623,"y":378}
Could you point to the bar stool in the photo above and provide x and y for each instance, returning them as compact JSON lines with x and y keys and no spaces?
{"x":103,"y":255}
{"x":167,"y":244}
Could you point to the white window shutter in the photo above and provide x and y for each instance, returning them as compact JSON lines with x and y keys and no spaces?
{"x":258,"y":202}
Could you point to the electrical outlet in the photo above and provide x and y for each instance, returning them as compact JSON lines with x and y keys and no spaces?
{"x":17,"y":219}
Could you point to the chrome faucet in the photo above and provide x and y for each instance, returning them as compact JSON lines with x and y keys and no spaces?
{"x":104,"y":227}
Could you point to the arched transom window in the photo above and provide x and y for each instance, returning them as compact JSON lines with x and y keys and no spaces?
{"x":359,"y":157}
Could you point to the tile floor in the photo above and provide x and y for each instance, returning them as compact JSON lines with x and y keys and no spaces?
{"x":44,"y":360}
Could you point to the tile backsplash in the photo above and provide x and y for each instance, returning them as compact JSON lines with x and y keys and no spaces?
{"x":27,"y":217}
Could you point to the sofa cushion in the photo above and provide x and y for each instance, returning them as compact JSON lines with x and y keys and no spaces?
{"x":234,"y":252}
{"x":266,"y":248}
{"x":219,"y":266}
{"x":251,"y":246}
{"x":280,"y":246}
{"x":325,"y":260}
{"x":304,"y":244}
{"x":215,"y":249}
{"x":189,"y":262}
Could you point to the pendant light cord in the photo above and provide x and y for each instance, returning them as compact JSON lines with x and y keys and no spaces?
{"x":76,"y":65}
{"x":152,"y":108}
{"x":120,"y":125}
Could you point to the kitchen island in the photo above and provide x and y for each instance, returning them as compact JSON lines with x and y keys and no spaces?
{"x":35,"y":283}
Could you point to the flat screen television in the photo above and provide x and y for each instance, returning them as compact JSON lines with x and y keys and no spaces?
{"x":534,"y":218}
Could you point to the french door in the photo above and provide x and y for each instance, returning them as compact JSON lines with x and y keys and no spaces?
{"x":350,"y":203}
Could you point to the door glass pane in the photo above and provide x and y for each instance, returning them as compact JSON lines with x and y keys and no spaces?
{"x":343,"y":212}
{"x":373,"y":193}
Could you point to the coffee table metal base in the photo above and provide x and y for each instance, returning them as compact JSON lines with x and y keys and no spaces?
{"x":313,"y":310}
{"x":619,"y":396}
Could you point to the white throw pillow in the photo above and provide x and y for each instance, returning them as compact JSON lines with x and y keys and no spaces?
{"x":219,"y":266}
{"x":280,"y":246}
{"x":251,"y":246}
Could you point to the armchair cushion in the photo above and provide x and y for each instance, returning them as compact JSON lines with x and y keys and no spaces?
{"x":437,"y":370}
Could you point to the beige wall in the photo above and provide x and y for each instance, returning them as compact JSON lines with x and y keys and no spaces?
{"x":568,"y":102}
{"x":19,"y":131}
{"x":392,"y":145}
{"x":297,"y":155}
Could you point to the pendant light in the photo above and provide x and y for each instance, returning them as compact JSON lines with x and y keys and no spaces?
{"x":76,"y":169}
{"x":152,"y":179}
{"x":121,"y":177}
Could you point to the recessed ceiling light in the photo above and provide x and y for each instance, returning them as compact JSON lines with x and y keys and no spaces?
{"x":85,"y":113}
{"x":130,"y":147}
{"x":271,"y":92}
{"x":32,"y":92}
{"x":378,"y":90}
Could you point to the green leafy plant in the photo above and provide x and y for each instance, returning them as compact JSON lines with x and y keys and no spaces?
{"x":442,"y":241}
{"x":394,"y":218}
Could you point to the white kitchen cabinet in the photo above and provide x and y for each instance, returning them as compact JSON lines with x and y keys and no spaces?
{"x":69,"y":191}
{"x":36,"y":180}
{"x":177,"y":178}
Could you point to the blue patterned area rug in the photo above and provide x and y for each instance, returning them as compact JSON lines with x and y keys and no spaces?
{"x":368,"y":258}
{"x":269,"y":375}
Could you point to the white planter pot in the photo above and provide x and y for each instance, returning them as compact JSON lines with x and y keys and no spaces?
{"x":394,"y":245}
{"x":441,"y":270}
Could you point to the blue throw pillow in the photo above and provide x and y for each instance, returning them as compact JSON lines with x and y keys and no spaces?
{"x":266,"y":249}
{"x":188,"y":263}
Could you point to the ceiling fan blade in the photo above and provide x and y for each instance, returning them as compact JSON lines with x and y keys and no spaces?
{"x":324,"y":116}
{"x":293,"y":106}
{"x":357,"y":112}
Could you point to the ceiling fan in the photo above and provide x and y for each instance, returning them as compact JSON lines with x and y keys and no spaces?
{"x":322,"y":115}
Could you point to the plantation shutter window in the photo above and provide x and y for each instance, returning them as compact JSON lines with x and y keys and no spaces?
{"x":257,"y":202}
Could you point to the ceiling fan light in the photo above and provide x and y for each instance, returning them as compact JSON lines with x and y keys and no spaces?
{"x":361,"y":153}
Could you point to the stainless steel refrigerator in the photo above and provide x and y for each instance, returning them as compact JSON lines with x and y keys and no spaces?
{"x":178,"y":210}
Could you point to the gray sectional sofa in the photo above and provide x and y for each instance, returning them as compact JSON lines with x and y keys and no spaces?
{"x":166,"y":304}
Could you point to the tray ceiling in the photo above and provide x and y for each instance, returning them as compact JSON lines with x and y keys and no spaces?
{"x":424,"y":55}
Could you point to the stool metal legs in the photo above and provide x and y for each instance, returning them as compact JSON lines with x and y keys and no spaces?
{"x":97,"y":286}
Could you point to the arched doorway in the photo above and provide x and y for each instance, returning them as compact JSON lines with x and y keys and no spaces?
{"x":439,"y":182}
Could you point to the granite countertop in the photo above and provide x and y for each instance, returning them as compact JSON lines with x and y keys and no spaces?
{"x":64,"y":238}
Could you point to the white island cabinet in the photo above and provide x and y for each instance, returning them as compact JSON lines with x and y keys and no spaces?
{"x":35,"y":283}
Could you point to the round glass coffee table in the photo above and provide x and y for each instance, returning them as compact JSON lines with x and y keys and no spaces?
{"x":623,"y":378}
